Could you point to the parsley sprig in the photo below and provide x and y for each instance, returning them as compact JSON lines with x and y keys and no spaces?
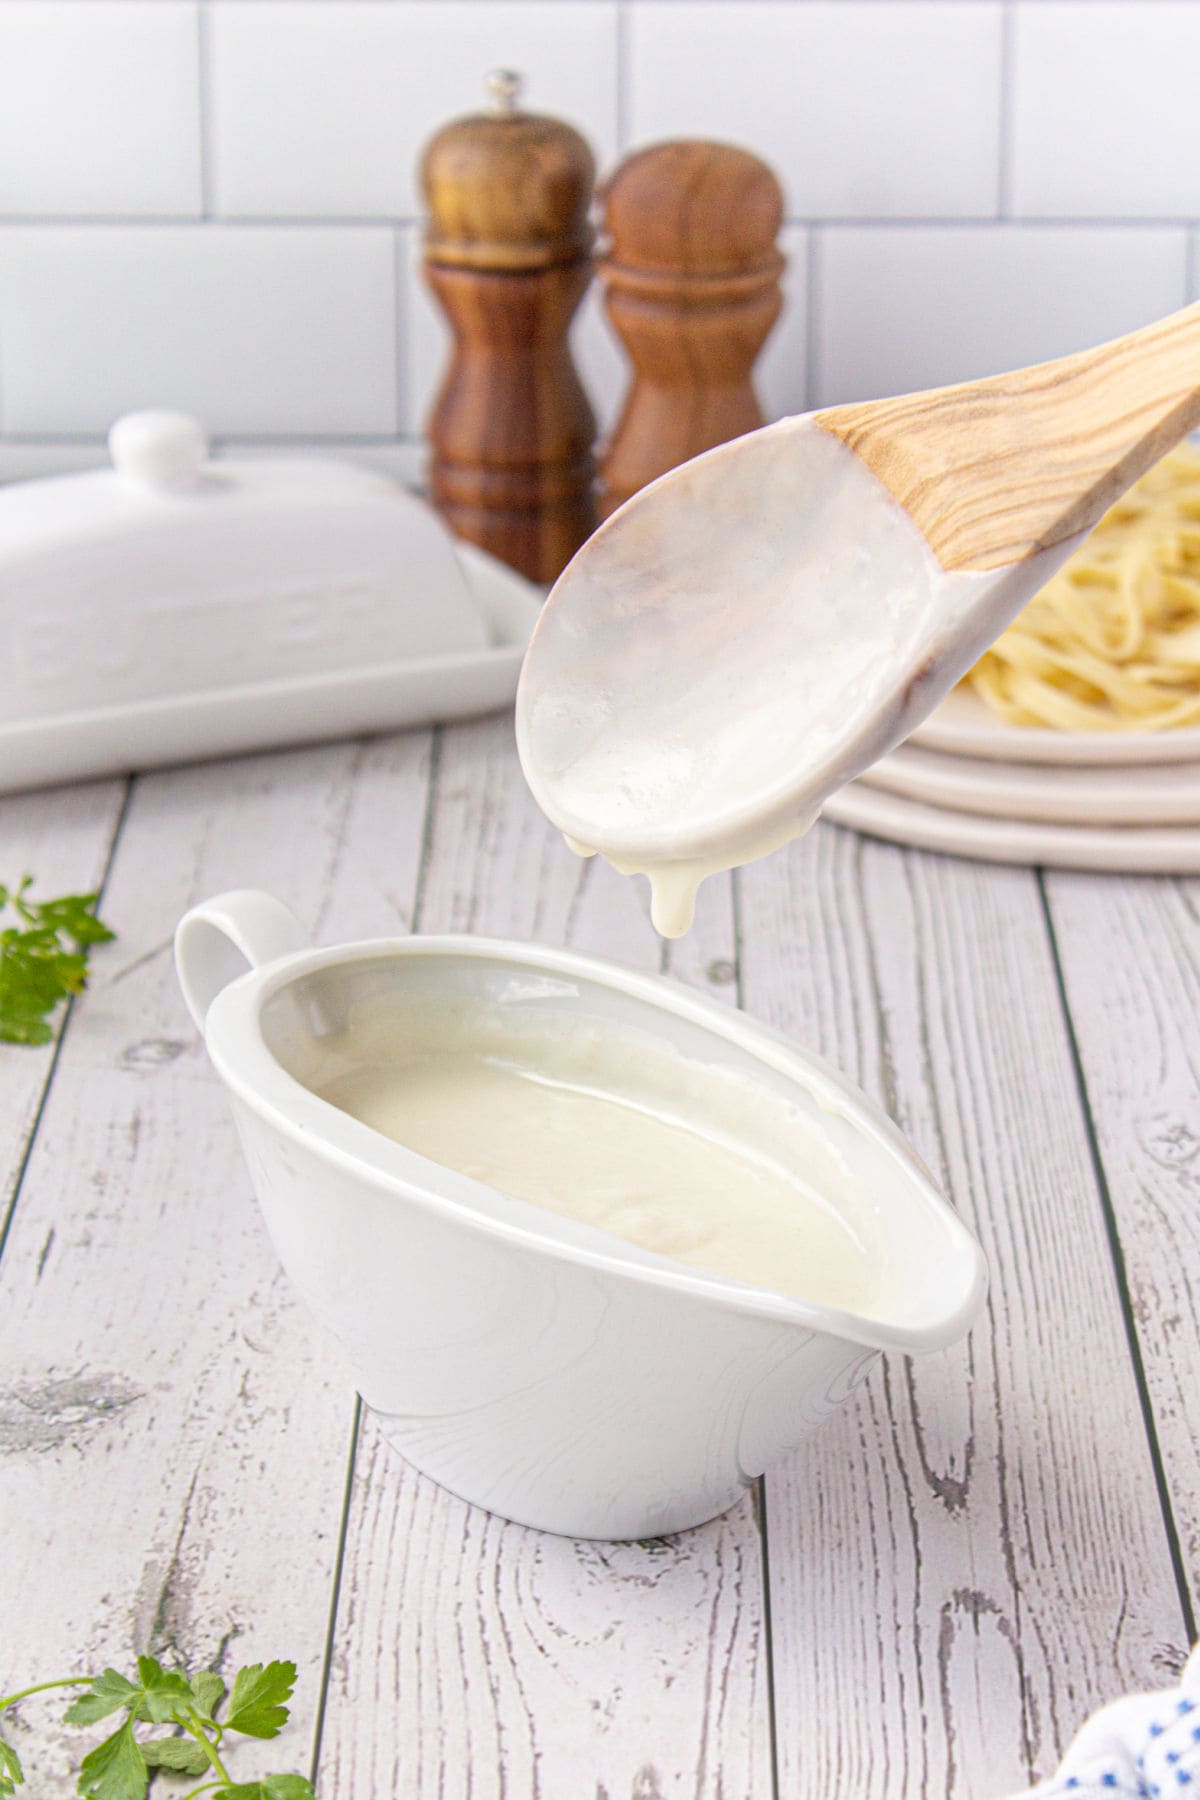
{"x":43,"y":959}
{"x":119,"y":1767}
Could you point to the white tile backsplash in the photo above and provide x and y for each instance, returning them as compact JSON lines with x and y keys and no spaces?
{"x":256,"y":330}
{"x":902,"y":309}
{"x":882,"y":108}
{"x":323,"y":106}
{"x":292,"y":311}
{"x":1106,"y":109}
{"x":781,"y":372}
{"x":28,"y":460}
{"x":99,"y":107}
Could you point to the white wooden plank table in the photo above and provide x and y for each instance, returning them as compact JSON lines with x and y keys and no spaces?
{"x":925,"y":1601}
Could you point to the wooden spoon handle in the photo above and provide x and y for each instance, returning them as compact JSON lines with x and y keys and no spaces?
{"x":992,"y":471}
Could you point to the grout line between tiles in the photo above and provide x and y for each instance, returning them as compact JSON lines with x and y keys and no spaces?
{"x":811,"y":306}
{"x":667,"y":5}
{"x":1004,"y":167}
{"x":220,"y":440}
{"x":335,"y":222}
{"x":204,"y":110}
{"x":401,"y":324}
{"x":233,"y":221}
{"x":1120,"y":1274}
{"x":624,"y":77}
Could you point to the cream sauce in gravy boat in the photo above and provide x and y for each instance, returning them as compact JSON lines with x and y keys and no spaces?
{"x":537,"y":1366}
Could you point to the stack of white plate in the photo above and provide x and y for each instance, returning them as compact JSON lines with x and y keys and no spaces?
{"x":971,"y":784}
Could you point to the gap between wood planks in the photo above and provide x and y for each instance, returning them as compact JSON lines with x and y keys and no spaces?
{"x":64,"y":1026}
{"x":1099,"y":1174}
{"x":1120,"y":1273}
{"x":431,"y":792}
{"x":760,"y":1486}
{"x":496,"y":1638}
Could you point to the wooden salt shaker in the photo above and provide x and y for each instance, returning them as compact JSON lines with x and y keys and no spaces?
{"x":691,"y":273}
{"x":508,"y":254}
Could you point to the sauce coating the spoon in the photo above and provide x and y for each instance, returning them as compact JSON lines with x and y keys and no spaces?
{"x":734,"y":644}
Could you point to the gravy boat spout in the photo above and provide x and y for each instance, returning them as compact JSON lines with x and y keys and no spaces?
{"x":533,"y":1364}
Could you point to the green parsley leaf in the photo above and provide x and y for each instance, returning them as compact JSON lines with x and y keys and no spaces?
{"x":208,"y":1690}
{"x":154,"y":1696}
{"x":43,"y":959}
{"x":120,"y":1767}
{"x":182,"y":1754}
{"x":11,"y":1773}
{"x":73,"y":917}
{"x":272,"y":1787}
{"x":109,"y":1692}
{"x":256,"y":1704}
{"x":115,"y":1769}
{"x":162,"y":1691}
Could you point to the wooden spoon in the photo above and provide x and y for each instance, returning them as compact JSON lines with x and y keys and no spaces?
{"x":757,"y":626}
{"x":992,"y":471}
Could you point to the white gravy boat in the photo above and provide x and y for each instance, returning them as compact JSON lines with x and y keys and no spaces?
{"x":534,"y":1365}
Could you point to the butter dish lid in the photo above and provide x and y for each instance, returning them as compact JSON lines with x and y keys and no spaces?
{"x":170,"y":574}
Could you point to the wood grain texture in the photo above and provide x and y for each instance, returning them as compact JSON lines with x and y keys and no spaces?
{"x":173,"y":1433}
{"x":507,"y":190}
{"x":961,"y":1565}
{"x":992,"y":471}
{"x":1130,"y":955}
{"x":972,"y":1556}
{"x":691,"y":285}
{"x":475,"y":1657}
{"x":508,"y":258}
{"x":62,"y":838}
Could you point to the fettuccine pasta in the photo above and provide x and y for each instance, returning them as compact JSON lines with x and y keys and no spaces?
{"x":1112,"y":642}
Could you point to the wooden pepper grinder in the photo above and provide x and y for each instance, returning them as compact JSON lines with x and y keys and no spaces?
{"x":691,"y":274}
{"x":508,"y":254}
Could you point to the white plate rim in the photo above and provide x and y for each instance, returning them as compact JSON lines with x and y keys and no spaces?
{"x":963,"y":725}
{"x":1130,"y":850}
{"x":1090,"y":794}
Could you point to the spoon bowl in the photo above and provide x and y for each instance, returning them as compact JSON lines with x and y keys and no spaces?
{"x":739,"y":639}
{"x":756,"y":627}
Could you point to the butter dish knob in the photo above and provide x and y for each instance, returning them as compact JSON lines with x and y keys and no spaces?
{"x":158,"y":449}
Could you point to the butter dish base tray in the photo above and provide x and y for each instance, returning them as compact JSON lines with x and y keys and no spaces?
{"x":230,"y":721}
{"x":171,"y":608}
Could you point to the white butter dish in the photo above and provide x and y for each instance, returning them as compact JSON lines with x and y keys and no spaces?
{"x":171,"y":609}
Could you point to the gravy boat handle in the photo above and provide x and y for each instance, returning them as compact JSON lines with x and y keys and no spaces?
{"x":216,"y":942}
